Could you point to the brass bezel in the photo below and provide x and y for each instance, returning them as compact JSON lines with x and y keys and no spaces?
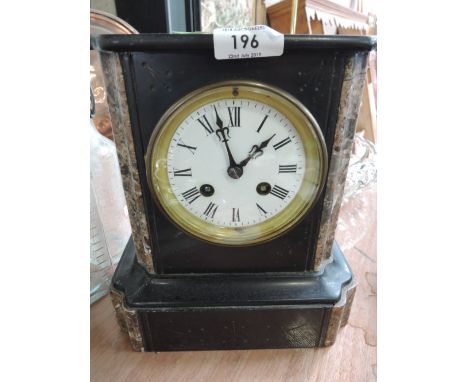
{"x":306,"y":197}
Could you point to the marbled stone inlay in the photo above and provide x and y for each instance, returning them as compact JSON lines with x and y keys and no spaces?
{"x":128,"y":320}
{"x":339,"y":314}
{"x":122,"y":130}
{"x":351,"y":92}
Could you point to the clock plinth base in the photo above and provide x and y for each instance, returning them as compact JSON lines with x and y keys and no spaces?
{"x":232,"y":311}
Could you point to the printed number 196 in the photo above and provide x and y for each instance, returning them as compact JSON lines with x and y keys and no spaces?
{"x":245,"y":39}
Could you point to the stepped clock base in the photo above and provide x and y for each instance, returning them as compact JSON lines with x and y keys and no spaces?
{"x":236,"y":311}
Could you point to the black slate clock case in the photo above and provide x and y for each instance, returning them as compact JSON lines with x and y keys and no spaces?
{"x":158,"y":70}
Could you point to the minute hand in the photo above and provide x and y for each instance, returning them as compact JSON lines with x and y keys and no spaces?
{"x":256,"y":151}
{"x":232,"y":162}
{"x":234,"y":170}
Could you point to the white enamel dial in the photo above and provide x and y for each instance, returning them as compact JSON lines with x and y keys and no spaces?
{"x":236,"y":163}
{"x":267,"y":169}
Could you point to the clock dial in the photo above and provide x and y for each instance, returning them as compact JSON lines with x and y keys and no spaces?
{"x":236,"y":164}
{"x":273,"y":155}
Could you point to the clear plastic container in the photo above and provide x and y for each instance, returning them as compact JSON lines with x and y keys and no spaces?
{"x":110,"y":198}
{"x":359,"y":194}
{"x":100,"y":260}
{"x":110,"y":225}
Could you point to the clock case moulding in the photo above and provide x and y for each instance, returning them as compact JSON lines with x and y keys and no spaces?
{"x":172,"y":291}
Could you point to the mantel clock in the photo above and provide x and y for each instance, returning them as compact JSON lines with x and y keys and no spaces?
{"x":234,"y":173}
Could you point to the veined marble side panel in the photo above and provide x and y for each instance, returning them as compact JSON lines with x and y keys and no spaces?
{"x":123,"y":137}
{"x":351,"y":93}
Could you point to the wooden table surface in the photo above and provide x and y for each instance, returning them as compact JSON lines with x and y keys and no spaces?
{"x":352,"y":358}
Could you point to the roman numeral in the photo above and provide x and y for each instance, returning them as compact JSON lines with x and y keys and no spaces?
{"x":186,"y":172}
{"x":262,"y":123}
{"x":279,"y":192}
{"x":260,"y":208}
{"x":235,"y":215}
{"x":191,"y":195}
{"x":212,"y":208}
{"x":234,"y":116}
{"x":287,"y":168}
{"x":190,"y":148}
{"x":282,"y":143}
{"x":204,"y":122}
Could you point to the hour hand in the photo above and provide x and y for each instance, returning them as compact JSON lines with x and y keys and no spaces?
{"x":265,"y":143}
{"x":256,"y":151}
